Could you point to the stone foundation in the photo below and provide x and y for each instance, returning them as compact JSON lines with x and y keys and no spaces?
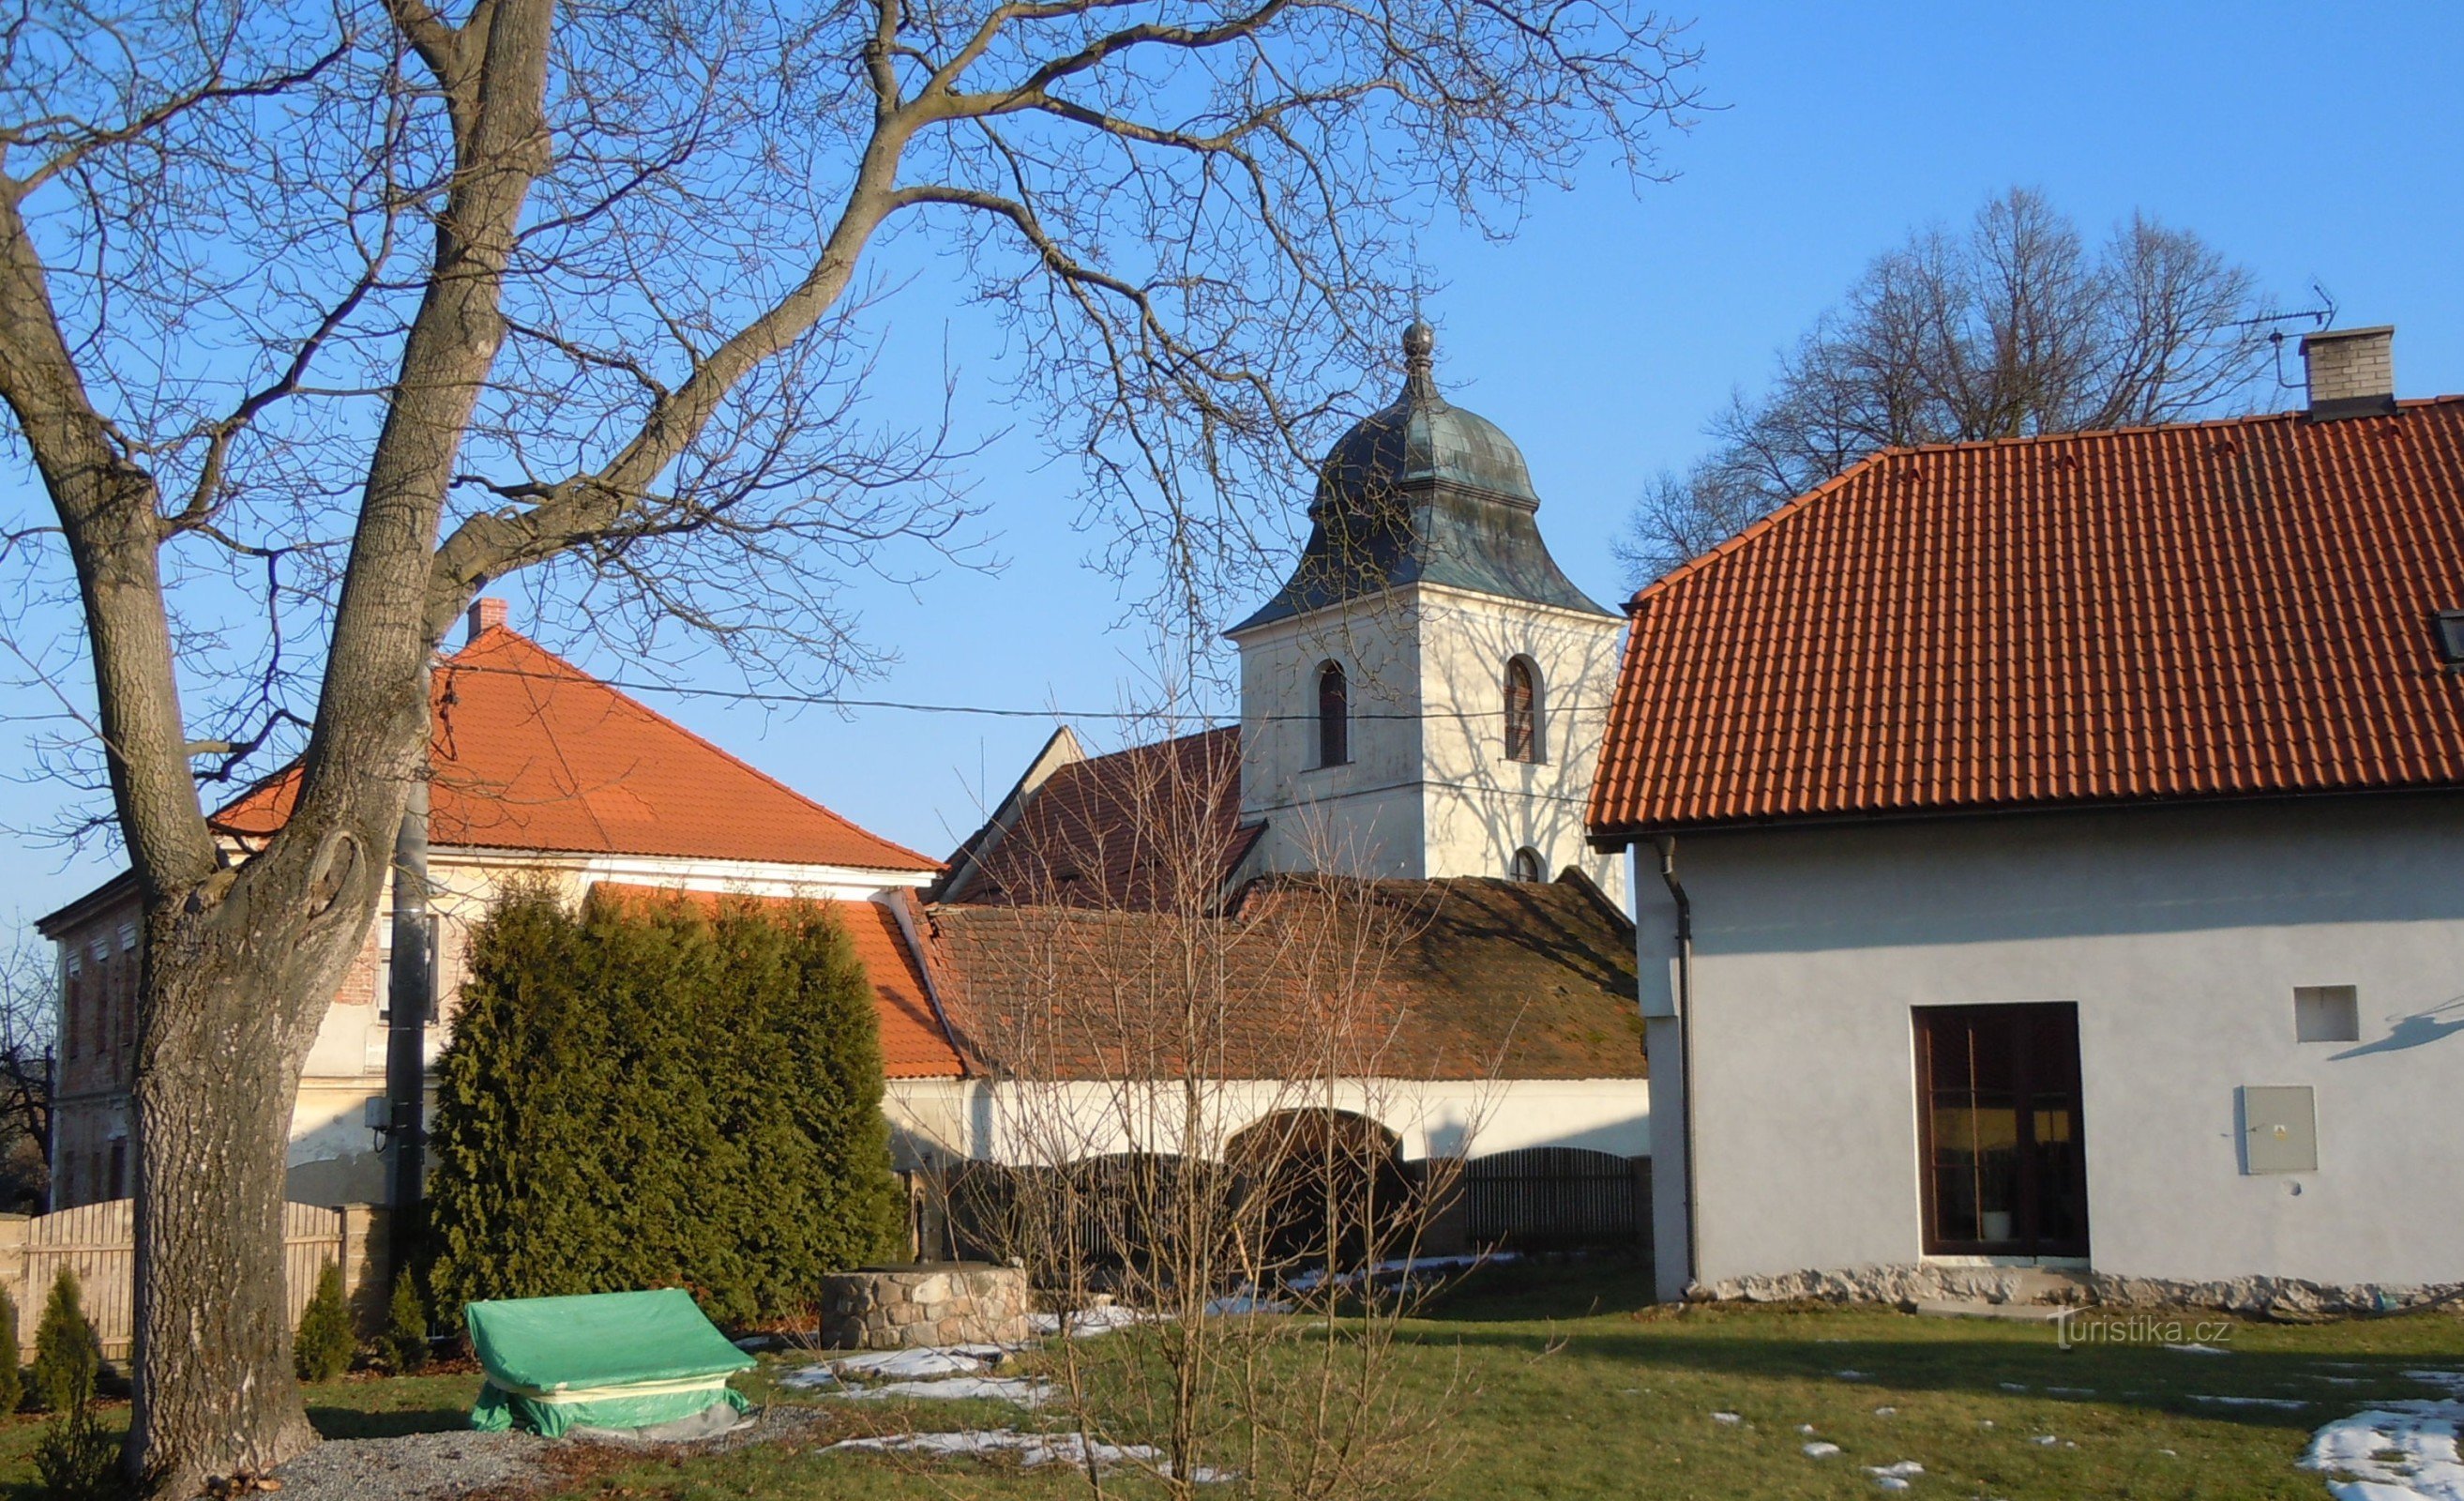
{"x":958,"y":1303}
{"x":2256,"y":1298}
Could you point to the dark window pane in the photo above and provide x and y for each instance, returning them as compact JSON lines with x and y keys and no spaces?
{"x":1522,"y":712}
{"x":1334,"y":716}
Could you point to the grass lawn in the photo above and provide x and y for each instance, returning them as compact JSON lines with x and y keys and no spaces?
{"x":1578,"y":1392}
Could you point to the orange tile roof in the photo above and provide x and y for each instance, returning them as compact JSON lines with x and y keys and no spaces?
{"x":532,"y":753}
{"x":2214,"y":609}
{"x":913,"y":1044}
{"x":1467,"y":978}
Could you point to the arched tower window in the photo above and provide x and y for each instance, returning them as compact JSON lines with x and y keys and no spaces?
{"x":1527,"y":865}
{"x":1334,"y":716}
{"x":1522,"y":710}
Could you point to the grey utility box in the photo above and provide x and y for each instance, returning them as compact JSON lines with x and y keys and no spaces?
{"x":2280,"y":1128}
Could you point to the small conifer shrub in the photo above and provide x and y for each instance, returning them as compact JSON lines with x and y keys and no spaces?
{"x":321,"y":1349}
{"x":68,"y":1356}
{"x":13,"y":1377}
{"x":77,"y":1460}
{"x":405,"y":1341}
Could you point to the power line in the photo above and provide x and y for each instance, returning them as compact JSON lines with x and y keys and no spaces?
{"x":776,"y":699}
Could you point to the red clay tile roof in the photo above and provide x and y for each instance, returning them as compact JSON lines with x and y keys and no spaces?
{"x":2216,"y":609}
{"x":913,"y":1046}
{"x":1107,"y":831}
{"x":532,"y":753}
{"x":1470,"y":978}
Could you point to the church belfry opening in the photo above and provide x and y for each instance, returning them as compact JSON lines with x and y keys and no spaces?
{"x":1334,"y":716}
{"x":1522,"y":710}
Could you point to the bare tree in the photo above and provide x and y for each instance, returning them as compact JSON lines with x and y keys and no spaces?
{"x":2012,"y":328}
{"x":1188,"y":1103}
{"x":316,"y":320}
{"x":28,"y":1028}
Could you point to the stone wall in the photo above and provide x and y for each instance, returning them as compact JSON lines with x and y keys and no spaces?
{"x":952,"y":1304}
{"x":2258,"y":1298}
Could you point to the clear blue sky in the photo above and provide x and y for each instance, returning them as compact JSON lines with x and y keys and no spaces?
{"x":2307,"y":141}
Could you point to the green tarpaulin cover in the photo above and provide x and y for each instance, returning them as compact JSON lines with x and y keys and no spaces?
{"x":602,"y":1361}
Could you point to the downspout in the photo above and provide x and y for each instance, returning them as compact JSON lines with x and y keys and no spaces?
{"x":1667,"y":846}
{"x":410,"y":987}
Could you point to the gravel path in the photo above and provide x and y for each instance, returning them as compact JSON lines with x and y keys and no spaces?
{"x":415,"y":1466}
{"x":437,"y":1466}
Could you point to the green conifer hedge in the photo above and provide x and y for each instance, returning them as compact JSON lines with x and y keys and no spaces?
{"x":660,"y":1093}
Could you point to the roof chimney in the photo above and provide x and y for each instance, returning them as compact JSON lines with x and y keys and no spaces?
{"x":485,"y":614}
{"x":2352,"y":371}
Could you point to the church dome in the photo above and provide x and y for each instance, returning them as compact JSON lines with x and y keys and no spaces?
{"x":1421,"y":439}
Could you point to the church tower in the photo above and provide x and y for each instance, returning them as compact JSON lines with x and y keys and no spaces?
{"x":1424,"y":697}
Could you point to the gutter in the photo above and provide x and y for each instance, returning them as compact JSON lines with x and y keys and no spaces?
{"x":1668,"y":847}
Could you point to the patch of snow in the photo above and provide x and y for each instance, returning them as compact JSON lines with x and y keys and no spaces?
{"x":755,"y":1341}
{"x":1406,"y":1268}
{"x":919,"y":1362}
{"x":1805,"y":1429}
{"x":1852,"y":1376}
{"x":2397,"y":1451}
{"x":1895,"y":1477}
{"x":2287,"y":1404}
{"x":1024,"y":1390}
{"x":2452,"y":1380}
{"x":1243,"y":1304}
{"x":1032,"y":1448}
{"x":1086,"y":1322}
{"x":1820,"y":1450}
{"x":1886,"y":1412}
{"x":2048,"y":1440}
{"x":2071,"y":1391}
{"x":2015,"y":1386}
{"x":2195,"y":1349}
{"x":808,"y":1376}
{"x":1727,"y":1416}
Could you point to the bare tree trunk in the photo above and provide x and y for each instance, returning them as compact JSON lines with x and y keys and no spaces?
{"x":215,"y":1390}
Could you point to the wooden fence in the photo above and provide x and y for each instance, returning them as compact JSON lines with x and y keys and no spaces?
{"x":97,"y":1242}
{"x":1556,"y":1199}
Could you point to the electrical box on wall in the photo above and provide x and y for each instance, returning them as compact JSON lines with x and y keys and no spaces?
{"x":2280,"y":1128}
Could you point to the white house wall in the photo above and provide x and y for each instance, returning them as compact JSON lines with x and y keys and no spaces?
{"x":1017,"y":1122}
{"x":2180,"y":936}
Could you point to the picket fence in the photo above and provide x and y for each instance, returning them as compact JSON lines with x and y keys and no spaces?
{"x":97,"y":1242}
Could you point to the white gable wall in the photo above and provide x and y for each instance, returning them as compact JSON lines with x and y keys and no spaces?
{"x":2180,"y":934}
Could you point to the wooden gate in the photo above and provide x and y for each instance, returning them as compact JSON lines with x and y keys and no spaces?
{"x":1552,"y":1199}
{"x":97,"y":1242}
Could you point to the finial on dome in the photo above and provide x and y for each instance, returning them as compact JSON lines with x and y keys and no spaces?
{"x":1418,"y":339}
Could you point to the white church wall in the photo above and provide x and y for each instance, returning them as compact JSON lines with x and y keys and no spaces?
{"x":1482,"y":806}
{"x":1365,"y":816}
{"x":1429,"y":791}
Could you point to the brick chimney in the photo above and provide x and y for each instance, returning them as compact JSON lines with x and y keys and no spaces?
{"x":2352,"y":371}
{"x":484,"y":613}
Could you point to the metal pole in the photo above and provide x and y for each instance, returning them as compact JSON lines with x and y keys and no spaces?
{"x":411,"y":986}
